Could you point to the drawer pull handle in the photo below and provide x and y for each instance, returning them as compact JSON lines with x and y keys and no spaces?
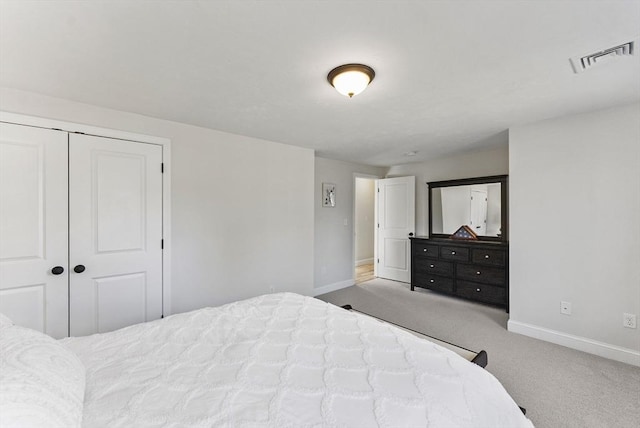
{"x":425,"y":250}
{"x":478,"y":273}
{"x":453,"y":253}
{"x":477,"y":289}
{"x":486,"y":256}
{"x":431,"y":281}
{"x":432,"y":266}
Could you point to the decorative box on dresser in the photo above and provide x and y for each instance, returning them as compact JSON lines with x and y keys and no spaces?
{"x":475,"y":270}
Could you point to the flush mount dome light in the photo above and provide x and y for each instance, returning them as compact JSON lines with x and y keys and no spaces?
{"x":351,"y":79}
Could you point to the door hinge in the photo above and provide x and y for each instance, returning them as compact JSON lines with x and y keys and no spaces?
{"x":378,"y":260}
{"x":162,"y":167}
{"x":378,"y":225}
{"x":162,"y":244}
{"x":378,"y":190}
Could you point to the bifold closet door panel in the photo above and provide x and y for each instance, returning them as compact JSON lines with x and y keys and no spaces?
{"x":115,"y":218}
{"x":34,"y":228}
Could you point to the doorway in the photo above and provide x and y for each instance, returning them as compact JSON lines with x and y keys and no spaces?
{"x":364,"y":228}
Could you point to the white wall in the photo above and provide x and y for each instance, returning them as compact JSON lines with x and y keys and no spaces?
{"x":494,"y":212}
{"x":364,"y":217}
{"x":456,"y":202}
{"x":334,"y":241}
{"x":242,"y":208}
{"x":466,"y":165}
{"x":575,"y":230}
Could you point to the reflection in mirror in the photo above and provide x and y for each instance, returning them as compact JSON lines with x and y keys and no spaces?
{"x":477,"y":206}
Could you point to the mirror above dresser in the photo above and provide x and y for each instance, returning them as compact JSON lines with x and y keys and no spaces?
{"x":479,"y":203}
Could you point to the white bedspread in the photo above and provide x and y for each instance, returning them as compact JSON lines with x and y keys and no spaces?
{"x":282,"y":360}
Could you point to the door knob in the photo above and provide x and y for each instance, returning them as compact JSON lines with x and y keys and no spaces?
{"x":57,"y":270}
{"x":79,"y":269}
{"x":411,"y":234}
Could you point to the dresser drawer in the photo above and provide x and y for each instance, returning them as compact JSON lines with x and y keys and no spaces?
{"x":459,"y":254}
{"x":481,"y":292}
{"x":426,"y":250}
{"x":484,"y":274}
{"x":433,"y":267}
{"x":434,"y":282}
{"x":489,"y":257}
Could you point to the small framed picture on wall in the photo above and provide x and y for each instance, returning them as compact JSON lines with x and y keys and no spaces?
{"x":328,"y":195}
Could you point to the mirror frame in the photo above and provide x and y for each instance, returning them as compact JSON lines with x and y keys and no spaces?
{"x":502,"y":179}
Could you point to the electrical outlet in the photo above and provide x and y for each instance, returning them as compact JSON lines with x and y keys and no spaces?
{"x":629,"y":320}
{"x":565,"y":308}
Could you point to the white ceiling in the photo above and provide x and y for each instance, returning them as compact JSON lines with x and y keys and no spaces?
{"x":450,"y":75}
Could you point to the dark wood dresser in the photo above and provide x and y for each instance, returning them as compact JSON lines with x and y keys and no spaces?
{"x":475,"y":270}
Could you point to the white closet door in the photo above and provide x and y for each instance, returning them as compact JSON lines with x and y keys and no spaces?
{"x":115,"y":218}
{"x":33,"y":228}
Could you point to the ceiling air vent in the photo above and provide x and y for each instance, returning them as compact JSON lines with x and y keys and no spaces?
{"x":581,"y":64}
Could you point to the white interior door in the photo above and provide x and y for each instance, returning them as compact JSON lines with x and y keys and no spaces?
{"x":115,"y":217}
{"x":33,"y":228}
{"x":478,"y":209}
{"x":396,"y":222}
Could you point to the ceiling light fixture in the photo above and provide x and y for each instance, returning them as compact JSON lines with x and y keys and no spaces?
{"x":351,"y":79}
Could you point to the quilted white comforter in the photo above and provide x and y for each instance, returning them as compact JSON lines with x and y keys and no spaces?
{"x":282,"y":360}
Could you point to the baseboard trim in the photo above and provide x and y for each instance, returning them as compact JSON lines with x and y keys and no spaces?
{"x":332,"y":287}
{"x":590,"y":346}
{"x":364,"y":262}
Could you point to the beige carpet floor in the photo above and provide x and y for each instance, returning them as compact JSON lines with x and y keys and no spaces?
{"x":559,"y":386}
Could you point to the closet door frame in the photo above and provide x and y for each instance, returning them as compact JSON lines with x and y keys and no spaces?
{"x":165,"y":143}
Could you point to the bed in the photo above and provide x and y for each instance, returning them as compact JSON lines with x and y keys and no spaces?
{"x":278,"y":360}
{"x":480,"y":358}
